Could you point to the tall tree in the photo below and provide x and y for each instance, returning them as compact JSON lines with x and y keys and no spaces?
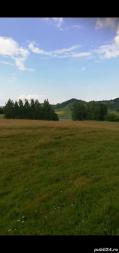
{"x":30,"y":110}
{"x":9,"y":109}
{"x":79,"y":111}
{"x":48,"y":111}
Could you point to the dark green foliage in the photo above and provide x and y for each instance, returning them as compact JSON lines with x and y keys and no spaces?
{"x":89,"y":110}
{"x":29,"y":110}
{"x":9,"y":109}
{"x":113,"y":116}
{"x":66,"y":103}
{"x":112,"y":104}
{"x":1,"y":110}
{"x":100,"y":111}
{"x":64,"y":109}
{"x":48,"y":112}
{"x":79,"y":111}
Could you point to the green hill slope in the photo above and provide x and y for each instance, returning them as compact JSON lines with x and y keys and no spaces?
{"x":64,"y":109}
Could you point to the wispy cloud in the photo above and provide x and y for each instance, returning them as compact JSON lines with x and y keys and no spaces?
{"x":66,"y":50}
{"x":81,"y":54}
{"x":108,"y":51}
{"x":6,"y":63}
{"x":111,"y":50}
{"x":106,"y":22}
{"x":58,"y":22}
{"x":61,"y":24}
{"x":10,"y":48}
{"x":70,"y":52}
{"x":36,"y":50}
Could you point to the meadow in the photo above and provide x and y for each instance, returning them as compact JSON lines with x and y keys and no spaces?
{"x":59,"y":178}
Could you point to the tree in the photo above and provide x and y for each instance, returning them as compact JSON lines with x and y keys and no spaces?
{"x":29,"y":110}
{"x":103,"y":111}
{"x":79,"y":111}
{"x":1,"y":110}
{"x":26,"y":109}
{"x":38,"y":110}
{"x":89,"y":110}
{"x":100,"y":111}
{"x":9,"y":109}
{"x":48,"y":111}
{"x":16,"y":110}
{"x":20,"y":109}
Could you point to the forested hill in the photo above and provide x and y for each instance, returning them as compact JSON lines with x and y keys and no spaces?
{"x":112,"y":104}
{"x":64,"y":109}
{"x":66,"y":103}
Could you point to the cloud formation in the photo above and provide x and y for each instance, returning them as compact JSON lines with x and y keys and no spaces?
{"x":70,"y":52}
{"x":106,"y":22}
{"x":58,"y":22}
{"x":10,"y":48}
{"x":111,"y":50}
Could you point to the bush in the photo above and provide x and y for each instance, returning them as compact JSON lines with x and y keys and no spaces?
{"x":113,"y":116}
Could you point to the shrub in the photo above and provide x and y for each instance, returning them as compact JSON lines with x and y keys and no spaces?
{"x":113,"y":116}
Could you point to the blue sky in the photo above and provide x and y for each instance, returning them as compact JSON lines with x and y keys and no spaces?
{"x":59,"y":58}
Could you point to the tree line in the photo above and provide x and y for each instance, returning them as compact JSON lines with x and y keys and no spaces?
{"x":1,"y":110}
{"x":89,"y":111}
{"x":32,"y":109}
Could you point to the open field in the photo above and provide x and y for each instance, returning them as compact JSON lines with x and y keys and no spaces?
{"x":59,"y":178}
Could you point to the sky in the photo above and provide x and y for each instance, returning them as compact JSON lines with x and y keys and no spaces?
{"x":59,"y":58}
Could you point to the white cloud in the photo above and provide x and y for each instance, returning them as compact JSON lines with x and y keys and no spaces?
{"x":58,"y":22}
{"x":32,"y":96}
{"x":106,"y":22}
{"x":108,"y":51}
{"x":116,"y":39}
{"x":70,"y":52}
{"x":81,"y":54}
{"x":111,"y":50}
{"x":66,"y":50}
{"x":37,"y":50}
{"x":10,"y":48}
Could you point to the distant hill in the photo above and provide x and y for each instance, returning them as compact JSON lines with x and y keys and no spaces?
{"x":66,"y":103}
{"x":112,"y":104}
{"x":64,"y":109}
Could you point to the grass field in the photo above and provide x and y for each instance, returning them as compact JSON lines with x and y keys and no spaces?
{"x":59,"y":178}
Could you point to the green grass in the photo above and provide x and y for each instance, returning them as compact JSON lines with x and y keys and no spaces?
{"x":63,"y":113}
{"x":59,"y":178}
